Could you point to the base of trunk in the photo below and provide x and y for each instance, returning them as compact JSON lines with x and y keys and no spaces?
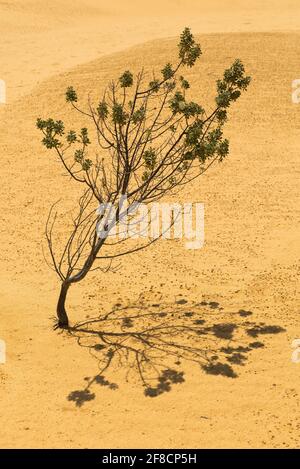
{"x":63,"y":320}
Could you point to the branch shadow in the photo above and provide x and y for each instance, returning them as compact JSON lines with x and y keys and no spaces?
{"x":154,"y":341}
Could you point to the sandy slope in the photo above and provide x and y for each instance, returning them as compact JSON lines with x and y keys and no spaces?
{"x":40,"y":39}
{"x":250,"y":260}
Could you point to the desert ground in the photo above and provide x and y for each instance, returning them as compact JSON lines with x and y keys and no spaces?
{"x":247,"y":273}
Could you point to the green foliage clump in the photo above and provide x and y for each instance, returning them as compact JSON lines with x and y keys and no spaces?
{"x":154,"y":85}
{"x":212,"y":145}
{"x":189,"y":51}
{"x":119,"y":116}
{"x":71,"y":95}
{"x":51,"y":129}
{"x":192,"y":109}
{"x":167,"y":71}
{"x":194,"y":133}
{"x":150,"y":158}
{"x":102,"y":110}
{"x":86,"y":164}
{"x":184,"y":83}
{"x":84,"y":136}
{"x":234,"y":81}
{"x":139,"y":115}
{"x":177,"y":103}
{"x":126,"y":79}
{"x":221,"y":116}
{"x":78,"y":156}
{"x":71,"y":137}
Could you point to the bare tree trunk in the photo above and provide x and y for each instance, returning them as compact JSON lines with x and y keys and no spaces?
{"x":63,"y":320}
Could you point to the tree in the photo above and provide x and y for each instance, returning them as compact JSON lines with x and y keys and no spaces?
{"x":152,"y":139}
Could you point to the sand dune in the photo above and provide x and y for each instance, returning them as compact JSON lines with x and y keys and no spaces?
{"x":42,"y":39}
{"x":250,"y":260}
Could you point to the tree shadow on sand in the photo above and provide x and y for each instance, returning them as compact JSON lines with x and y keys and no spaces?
{"x":155,"y":341}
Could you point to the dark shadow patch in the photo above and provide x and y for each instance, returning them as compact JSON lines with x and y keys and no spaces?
{"x":222,"y":369}
{"x":199,"y":321}
{"x":165,"y":381}
{"x":230,"y":350}
{"x":181,"y":302}
{"x":237,"y":358}
{"x":80,"y":397}
{"x":99,"y":379}
{"x":223,"y":331}
{"x":244,"y":313}
{"x":257,"y":330}
{"x":256,"y":345}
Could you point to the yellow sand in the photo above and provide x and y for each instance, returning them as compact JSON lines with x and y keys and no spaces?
{"x":251,"y":256}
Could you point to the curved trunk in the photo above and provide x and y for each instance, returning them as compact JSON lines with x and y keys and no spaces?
{"x":63,"y":320}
